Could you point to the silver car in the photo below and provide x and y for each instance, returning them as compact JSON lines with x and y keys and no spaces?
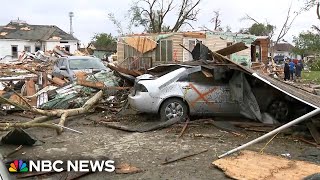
{"x":191,"y":90}
{"x":180,"y":92}
{"x":68,"y":66}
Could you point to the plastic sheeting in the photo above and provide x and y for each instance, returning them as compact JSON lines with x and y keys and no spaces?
{"x":241,"y":92}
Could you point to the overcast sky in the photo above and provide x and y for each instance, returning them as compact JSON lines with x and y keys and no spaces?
{"x":91,"y":15}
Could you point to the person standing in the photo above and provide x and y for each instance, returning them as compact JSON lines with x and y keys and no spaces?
{"x":286,"y":71}
{"x":299,"y":68}
{"x":291,"y":68}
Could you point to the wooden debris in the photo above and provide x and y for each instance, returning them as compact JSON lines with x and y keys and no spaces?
{"x":252,"y":165}
{"x":184,"y":128}
{"x":314,"y":132}
{"x":168,"y":161}
{"x":13,"y":152}
{"x":226,"y":126}
{"x":144,"y":129}
{"x":58,"y":81}
{"x":63,"y":114}
{"x":308,"y":142}
{"x":126,"y":168}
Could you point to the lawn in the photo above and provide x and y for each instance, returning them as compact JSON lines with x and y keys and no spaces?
{"x":313,"y":76}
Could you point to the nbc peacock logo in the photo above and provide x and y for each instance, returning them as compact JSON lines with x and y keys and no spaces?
{"x":18,"y":166}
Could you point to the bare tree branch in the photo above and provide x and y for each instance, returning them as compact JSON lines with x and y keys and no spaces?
{"x":318,"y":13}
{"x":316,"y":28}
{"x":116,"y":23}
{"x":247,"y":17}
{"x":286,"y":25}
{"x":187,"y":12}
{"x":216,"y":20}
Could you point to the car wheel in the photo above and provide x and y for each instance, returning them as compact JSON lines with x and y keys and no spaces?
{"x":172,"y":108}
{"x":279,"y":109}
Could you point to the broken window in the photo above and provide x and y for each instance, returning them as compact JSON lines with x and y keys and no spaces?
{"x":201,"y":78}
{"x":67,"y":48}
{"x":164,"y":51}
{"x":27,"y":48}
{"x":14,"y":51}
{"x":38,"y":48}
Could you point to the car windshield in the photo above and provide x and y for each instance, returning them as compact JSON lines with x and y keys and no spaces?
{"x":84,"y":63}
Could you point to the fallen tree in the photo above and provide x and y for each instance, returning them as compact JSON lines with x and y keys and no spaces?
{"x":48,"y":114}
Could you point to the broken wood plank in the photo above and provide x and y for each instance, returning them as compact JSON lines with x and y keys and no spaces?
{"x":232,"y":49}
{"x":184,"y":128}
{"x":183,"y":157}
{"x":13,"y":152}
{"x":253,"y":165}
{"x":226,"y":126}
{"x":308,"y":142}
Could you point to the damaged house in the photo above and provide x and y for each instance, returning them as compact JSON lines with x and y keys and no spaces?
{"x":18,"y":36}
{"x":147,"y":50}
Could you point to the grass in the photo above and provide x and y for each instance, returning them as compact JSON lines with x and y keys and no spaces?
{"x":312,"y":76}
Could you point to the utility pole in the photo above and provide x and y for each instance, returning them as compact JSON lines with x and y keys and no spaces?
{"x":71,"y":15}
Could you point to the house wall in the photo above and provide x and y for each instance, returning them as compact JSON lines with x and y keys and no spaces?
{"x":50,"y":45}
{"x":213,"y":41}
{"x":5,"y":46}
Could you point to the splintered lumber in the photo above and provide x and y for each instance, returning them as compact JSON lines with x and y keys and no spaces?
{"x":14,"y":151}
{"x":62,"y":113}
{"x":253,"y":165}
{"x":183,"y":156}
{"x":184,"y":128}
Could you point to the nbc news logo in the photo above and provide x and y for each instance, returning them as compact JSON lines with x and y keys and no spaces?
{"x":20,"y":166}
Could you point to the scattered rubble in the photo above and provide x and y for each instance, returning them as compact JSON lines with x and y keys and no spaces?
{"x":27,"y":85}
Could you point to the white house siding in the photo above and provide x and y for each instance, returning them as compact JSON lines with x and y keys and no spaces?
{"x":50,"y":45}
{"x":5,"y":46}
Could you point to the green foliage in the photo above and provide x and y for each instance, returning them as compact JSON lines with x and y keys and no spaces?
{"x":312,"y":76}
{"x":315,"y":66}
{"x":260,"y":29}
{"x":103,"y":39}
{"x":307,"y":43}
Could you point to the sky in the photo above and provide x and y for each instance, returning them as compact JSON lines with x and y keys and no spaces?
{"x":91,"y":16}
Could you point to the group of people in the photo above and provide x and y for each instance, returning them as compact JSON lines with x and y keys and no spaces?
{"x":292,"y":70}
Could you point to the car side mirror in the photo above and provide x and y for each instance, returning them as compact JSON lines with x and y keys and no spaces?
{"x":63,"y":68}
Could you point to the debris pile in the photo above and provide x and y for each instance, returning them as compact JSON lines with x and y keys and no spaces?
{"x":28,"y":85}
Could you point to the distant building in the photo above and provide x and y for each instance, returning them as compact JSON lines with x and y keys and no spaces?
{"x":284,"y":49}
{"x":102,"y":52}
{"x":18,"y":36}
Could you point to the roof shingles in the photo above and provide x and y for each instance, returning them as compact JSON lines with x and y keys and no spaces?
{"x":33,"y":32}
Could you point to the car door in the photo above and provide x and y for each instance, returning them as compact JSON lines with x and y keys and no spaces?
{"x":198,"y":91}
{"x":223,"y":96}
{"x":208,"y":93}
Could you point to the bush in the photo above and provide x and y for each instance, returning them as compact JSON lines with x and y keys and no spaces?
{"x":315,"y":66}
